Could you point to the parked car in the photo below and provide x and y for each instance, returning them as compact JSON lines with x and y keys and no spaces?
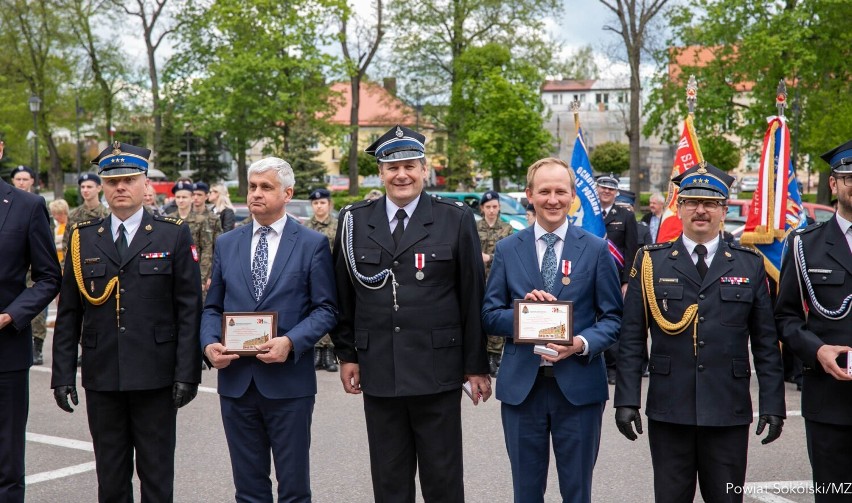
{"x":748,"y":183}
{"x":241,"y":212}
{"x":520,"y":197}
{"x":511,"y":210}
{"x":817,"y":212}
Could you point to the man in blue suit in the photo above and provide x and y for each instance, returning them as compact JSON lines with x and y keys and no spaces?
{"x":25,"y":241}
{"x":560,"y":397}
{"x":274,"y":264}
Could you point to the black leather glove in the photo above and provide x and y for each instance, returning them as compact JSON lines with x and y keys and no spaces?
{"x":183,"y":393}
{"x":60,"y":394}
{"x":624,"y":416}
{"x":776,"y":424}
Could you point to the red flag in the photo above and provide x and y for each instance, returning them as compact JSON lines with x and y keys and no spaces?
{"x":688,"y":154}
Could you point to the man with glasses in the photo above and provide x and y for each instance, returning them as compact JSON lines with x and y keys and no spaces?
{"x":813,"y":317}
{"x":704,"y":300}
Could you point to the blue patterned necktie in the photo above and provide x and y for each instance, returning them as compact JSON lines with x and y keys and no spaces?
{"x":548,"y":263}
{"x":260,"y":263}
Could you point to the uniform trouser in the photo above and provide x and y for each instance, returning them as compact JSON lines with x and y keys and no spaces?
{"x":255,"y":426}
{"x":717,"y":454}
{"x":14,"y":395}
{"x":829,"y":446}
{"x":122,"y":422}
{"x":495,"y":344}
{"x":407,"y":433}
{"x":324,"y":342}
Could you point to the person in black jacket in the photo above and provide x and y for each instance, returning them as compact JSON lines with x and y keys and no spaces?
{"x":131,"y":296}
{"x":410,"y":281}
{"x":707,"y":304}
{"x":813,"y":316}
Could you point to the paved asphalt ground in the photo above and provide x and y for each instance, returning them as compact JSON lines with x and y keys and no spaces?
{"x":60,"y":462}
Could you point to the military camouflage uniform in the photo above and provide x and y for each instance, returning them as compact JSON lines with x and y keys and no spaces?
{"x":329,"y":228}
{"x":39,"y":328}
{"x":202,"y":237}
{"x":488,"y":237}
{"x":81,"y":214}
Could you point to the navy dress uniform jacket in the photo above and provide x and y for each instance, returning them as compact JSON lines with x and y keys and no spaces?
{"x":155,"y":343}
{"x":621,"y":230}
{"x":712,"y":387}
{"x":829,"y":266}
{"x":26,"y":242}
{"x":436,"y":336}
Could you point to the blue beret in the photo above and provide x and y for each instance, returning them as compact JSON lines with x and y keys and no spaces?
{"x":398,"y":144}
{"x":319,"y":194}
{"x":182,"y":186}
{"x":840,"y":158}
{"x":122,"y":159}
{"x":491,"y":195}
{"x":610,"y":181}
{"x":201,"y":186}
{"x":22,"y":169}
{"x":89,"y":177}
{"x":703,"y":181}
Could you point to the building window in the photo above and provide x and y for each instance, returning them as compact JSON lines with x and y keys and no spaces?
{"x":334,"y":154}
{"x":555,"y":99}
{"x":439,"y":145}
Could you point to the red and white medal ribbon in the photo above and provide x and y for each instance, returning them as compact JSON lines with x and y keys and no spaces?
{"x":566,"y":271}
{"x":419,"y":263}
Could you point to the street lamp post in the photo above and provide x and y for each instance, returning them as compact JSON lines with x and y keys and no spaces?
{"x":35,"y":106}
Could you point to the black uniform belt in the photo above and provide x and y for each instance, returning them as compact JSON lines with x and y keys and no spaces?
{"x":546,"y":370}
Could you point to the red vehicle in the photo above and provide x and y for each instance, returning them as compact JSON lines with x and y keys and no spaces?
{"x":738,"y":210}
{"x":160,"y":183}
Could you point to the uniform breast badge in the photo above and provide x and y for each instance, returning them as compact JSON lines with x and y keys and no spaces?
{"x":419,"y":263}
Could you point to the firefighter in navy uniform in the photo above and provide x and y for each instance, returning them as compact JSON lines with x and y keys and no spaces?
{"x":410,"y":282}
{"x":621,"y":231}
{"x":706,"y":303}
{"x":817,"y":273}
{"x":131,"y":296}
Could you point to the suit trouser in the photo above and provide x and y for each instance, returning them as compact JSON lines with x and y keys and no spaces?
{"x":14,"y":395}
{"x":829,"y":447}
{"x":407,"y":432}
{"x":717,"y":454}
{"x":576,"y":432}
{"x":255,"y":426}
{"x":122,"y":422}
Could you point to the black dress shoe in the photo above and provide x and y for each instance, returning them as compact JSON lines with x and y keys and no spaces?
{"x":318,"y":358}
{"x":329,"y":362}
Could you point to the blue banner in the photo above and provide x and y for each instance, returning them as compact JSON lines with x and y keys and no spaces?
{"x":586,"y":211}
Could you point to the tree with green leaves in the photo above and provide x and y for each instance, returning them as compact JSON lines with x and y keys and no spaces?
{"x":720,"y":152}
{"x":580,"y":65}
{"x":433,"y":36}
{"x":503,"y":95}
{"x":610,"y":157}
{"x":634,"y":23}
{"x":252,"y":70}
{"x":366,"y":42}
{"x":806,"y":42}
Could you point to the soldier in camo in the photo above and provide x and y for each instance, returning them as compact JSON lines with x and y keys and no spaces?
{"x":491,"y":229}
{"x":324,"y":223}
{"x":200,"y":228}
{"x":200,"y":191}
{"x":91,"y":209}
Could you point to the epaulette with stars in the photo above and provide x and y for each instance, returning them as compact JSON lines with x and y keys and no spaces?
{"x":86,"y":223}
{"x":809,"y":228}
{"x":658,"y":246}
{"x":171,"y":220}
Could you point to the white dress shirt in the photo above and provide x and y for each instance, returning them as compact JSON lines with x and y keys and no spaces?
{"x":712,"y":247}
{"x":131,"y":225}
{"x":541,"y":247}
{"x":392,"y":208}
{"x":845,"y":226}
{"x":273,"y":238}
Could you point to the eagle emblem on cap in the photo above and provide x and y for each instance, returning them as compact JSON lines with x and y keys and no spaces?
{"x":116,"y":147}
{"x":399,"y":133}
{"x":702,"y":168}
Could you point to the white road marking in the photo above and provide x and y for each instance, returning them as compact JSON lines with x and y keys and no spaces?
{"x":62,"y":472}
{"x":61,"y":442}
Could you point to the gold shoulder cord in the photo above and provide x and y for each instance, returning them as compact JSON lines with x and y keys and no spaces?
{"x":78,"y":275}
{"x":650,"y":299}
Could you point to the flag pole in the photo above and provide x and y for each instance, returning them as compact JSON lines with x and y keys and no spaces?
{"x":781,"y":97}
{"x":575,"y":109}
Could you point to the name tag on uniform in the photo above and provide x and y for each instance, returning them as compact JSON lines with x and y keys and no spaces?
{"x":668,"y":280}
{"x":93,"y":260}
